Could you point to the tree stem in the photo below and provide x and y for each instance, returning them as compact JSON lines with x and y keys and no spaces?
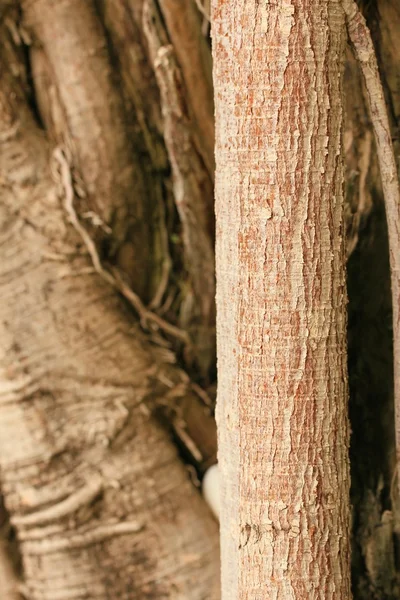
{"x":364,"y":51}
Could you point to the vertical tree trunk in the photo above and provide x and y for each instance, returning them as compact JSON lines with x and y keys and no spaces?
{"x":281,"y":300}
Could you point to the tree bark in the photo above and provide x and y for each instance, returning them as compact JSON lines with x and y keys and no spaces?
{"x":145,"y":65}
{"x":193,"y":191}
{"x":99,"y":500}
{"x":375,"y":557}
{"x":183,"y":23}
{"x":75,"y":46}
{"x":281,"y":300}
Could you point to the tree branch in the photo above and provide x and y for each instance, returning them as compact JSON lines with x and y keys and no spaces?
{"x":193,"y":190}
{"x":113,"y":279}
{"x":95,"y":124}
{"x":194,"y":58}
{"x":363,"y":47}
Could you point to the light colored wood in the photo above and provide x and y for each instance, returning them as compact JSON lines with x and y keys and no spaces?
{"x":281,"y":300}
{"x":99,"y":499}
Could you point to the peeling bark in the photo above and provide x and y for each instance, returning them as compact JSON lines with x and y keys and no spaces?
{"x":91,"y":480}
{"x":193,"y":192}
{"x":194,"y":58}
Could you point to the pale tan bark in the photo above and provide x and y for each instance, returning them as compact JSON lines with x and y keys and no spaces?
{"x":72,"y":38}
{"x":100,"y":503}
{"x":281,"y":300}
{"x":87,"y":474}
{"x":188,"y":407}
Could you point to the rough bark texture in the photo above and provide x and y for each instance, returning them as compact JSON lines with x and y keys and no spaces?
{"x":193,"y":192}
{"x":281,"y":300}
{"x":136,"y":81}
{"x":76,"y":48}
{"x":183,"y":22}
{"x":166,"y":152}
{"x":93,"y":486}
{"x":364,"y":51}
{"x":95,"y":490}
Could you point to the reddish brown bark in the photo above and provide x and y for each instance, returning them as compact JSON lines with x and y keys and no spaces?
{"x":281,"y":300}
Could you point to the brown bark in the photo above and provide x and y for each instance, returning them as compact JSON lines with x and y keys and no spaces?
{"x":9,"y":584}
{"x":373,"y":458}
{"x":93,"y":486}
{"x":184,"y":26}
{"x":281,"y":300}
{"x":131,"y":84}
{"x":74,"y":43}
{"x":99,"y":500}
{"x":132,"y":69}
{"x":370,"y":357}
{"x":193,"y":192}
{"x":188,"y":400}
{"x":364,"y":51}
{"x":137,"y":31}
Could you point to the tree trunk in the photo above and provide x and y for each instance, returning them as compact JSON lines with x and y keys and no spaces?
{"x":93,"y":487}
{"x":122,"y":91}
{"x":101,"y":504}
{"x":281,"y":300}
